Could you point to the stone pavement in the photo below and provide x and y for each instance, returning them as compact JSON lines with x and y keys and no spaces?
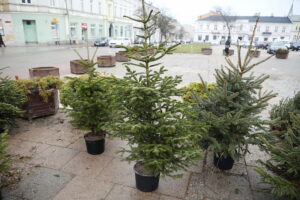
{"x":55,"y":165}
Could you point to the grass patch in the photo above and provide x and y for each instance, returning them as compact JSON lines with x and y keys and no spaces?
{"x":191,"y":48}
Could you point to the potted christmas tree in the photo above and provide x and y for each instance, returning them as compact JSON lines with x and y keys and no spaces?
{"x":282,"y":170}
{"x":153,"y":121}
{"x":11,"y":100}
{"x":232,"y":109}
{"x":89,"y":100}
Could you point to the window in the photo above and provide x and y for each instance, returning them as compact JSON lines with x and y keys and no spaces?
{"x":100,"y":30}
{"x":265,"y":39}
{"x":282,"y":38}
{"x":116,"y":32}
{"x":267,"y":28}
{"x":276,"y":29}
{"x":216,"y":27}
{"x":258,"y":29}
{"x":206,"y":37}
{"x":93,"y":30}
{"x":241,"y":27}
{"x":52,"y":3}
{"x":91,"y":6}
{"x":26,"y":1}
{"x":214,"y":37}
{"x":73,"y":30}
{"x":224,"y":27}
{"x":199,"y":37}
{"x":99,"y":7}
{"x":283,"y":29}
{"x":256,"y":39}
{"x":82,"y":5}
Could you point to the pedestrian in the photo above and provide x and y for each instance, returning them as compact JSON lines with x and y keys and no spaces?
{"x":1,"y":41}
{"x":227,"y":46}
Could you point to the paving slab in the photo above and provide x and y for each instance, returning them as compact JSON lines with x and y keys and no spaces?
{"x":84,"y":188}
{"x":128,"y":193}
{"x":174,"y":187}
{"x":163,"y":197}
{"x":54,"y":157}
{"x":120,"y":172}
{"x":255,"y":179}
{"x":266,"y":196}
{"x":84,"y":164}
{"x":40,"y":184}
{"x":255,"y":155}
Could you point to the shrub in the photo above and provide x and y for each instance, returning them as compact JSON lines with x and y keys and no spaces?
{"x":282,"y":51}
{"x":44,"y":85}
{"x":4,"y":158}
{"x":196,"y":88}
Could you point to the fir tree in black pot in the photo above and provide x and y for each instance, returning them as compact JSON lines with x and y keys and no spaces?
{"x":161,"y":139}
{"x":232,"y":109}
{"x":90,"y":101}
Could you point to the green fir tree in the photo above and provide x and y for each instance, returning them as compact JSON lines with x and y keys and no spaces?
{"x":232,"y":108}
{"x":152,"y":119}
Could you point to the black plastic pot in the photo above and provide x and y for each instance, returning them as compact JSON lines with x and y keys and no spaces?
{"x":223,"y":163}
{"x":145,"y":182}
{"x":95,"y":144}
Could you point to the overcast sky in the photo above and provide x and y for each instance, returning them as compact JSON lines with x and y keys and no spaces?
{"x":186,"y":11}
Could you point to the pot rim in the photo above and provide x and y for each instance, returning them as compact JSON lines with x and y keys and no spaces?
{"x":147,"y":175}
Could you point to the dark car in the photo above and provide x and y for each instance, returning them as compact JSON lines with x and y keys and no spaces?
{"x":295,"y":46}
{"x":102,"y":42}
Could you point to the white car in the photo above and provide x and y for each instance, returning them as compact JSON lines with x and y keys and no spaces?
{"x":118,"y":41}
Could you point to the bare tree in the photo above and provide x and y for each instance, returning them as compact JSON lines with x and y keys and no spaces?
{"x":227,"y":18}
{"x":165,"y":24}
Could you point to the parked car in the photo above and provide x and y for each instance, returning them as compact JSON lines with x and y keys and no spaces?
{"x":262,"y":45}
{"x":118,"y":41}
{"x":274,"y":46}
{"x":244,"y":43}
{"x":295,"y":46}
{"x":103,"y":42}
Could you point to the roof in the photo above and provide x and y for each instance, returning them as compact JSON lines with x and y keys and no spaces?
{"x":295,"y":18}
{"x":262,"y":19}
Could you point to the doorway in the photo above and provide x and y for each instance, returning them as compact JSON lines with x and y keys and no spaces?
{"x":84,"y":34}
{"x":30,"y":34}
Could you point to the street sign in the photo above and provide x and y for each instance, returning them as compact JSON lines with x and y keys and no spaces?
{"x":84,"y":25}
{"x":54,"y":20}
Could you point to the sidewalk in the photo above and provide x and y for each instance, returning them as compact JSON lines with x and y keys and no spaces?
{"x":55,"y":165}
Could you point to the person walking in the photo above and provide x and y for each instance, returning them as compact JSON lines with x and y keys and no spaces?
{"x":1,"y":41}
{"x":227,"y":46}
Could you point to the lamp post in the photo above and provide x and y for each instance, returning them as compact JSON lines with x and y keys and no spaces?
{"x":68,"y":22}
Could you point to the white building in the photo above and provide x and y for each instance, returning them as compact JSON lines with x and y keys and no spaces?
{"x":61,"y":21}
{"x":212,"y":28}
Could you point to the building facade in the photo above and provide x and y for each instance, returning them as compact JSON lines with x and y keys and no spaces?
{"x":212,"y":28}
{"x":296,"y":24}
{"x":65,"y":21}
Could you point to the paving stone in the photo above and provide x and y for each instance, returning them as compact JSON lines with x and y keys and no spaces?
{"x":54,"y":157}
{"x":266,"y":196}
{"x":197,"y":168}
{"x":40,"y":184}
{"x":239,"y":167}
{"x":218,"y":186}
{"x":113,"y":145}
{"x":78,"y":145}
{"x":254,"y":179}
{"x":84,"y":164}
{"x":163,"y":197}
{"x":118,"y":171}
{"x":174,"y":187}
{"x":24,"y":148}
{"x":84,"y":188}
{"x":254,"y":155}
{"x":128,"y":193}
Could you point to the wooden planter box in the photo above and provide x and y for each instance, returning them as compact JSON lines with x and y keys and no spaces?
{"x":206,"y":51}
{"x":37,"y":107}
{"x":43,"y":71}
{"x":77,"y":68}
{"x":254,"y":53}
{"x":121,"y":57}
{"x":282,"y":55}
{"x":106,"y":61}
{"x":231,"y":52}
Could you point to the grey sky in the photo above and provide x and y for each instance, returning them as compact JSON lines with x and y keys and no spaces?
{"x":186,"y":11}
